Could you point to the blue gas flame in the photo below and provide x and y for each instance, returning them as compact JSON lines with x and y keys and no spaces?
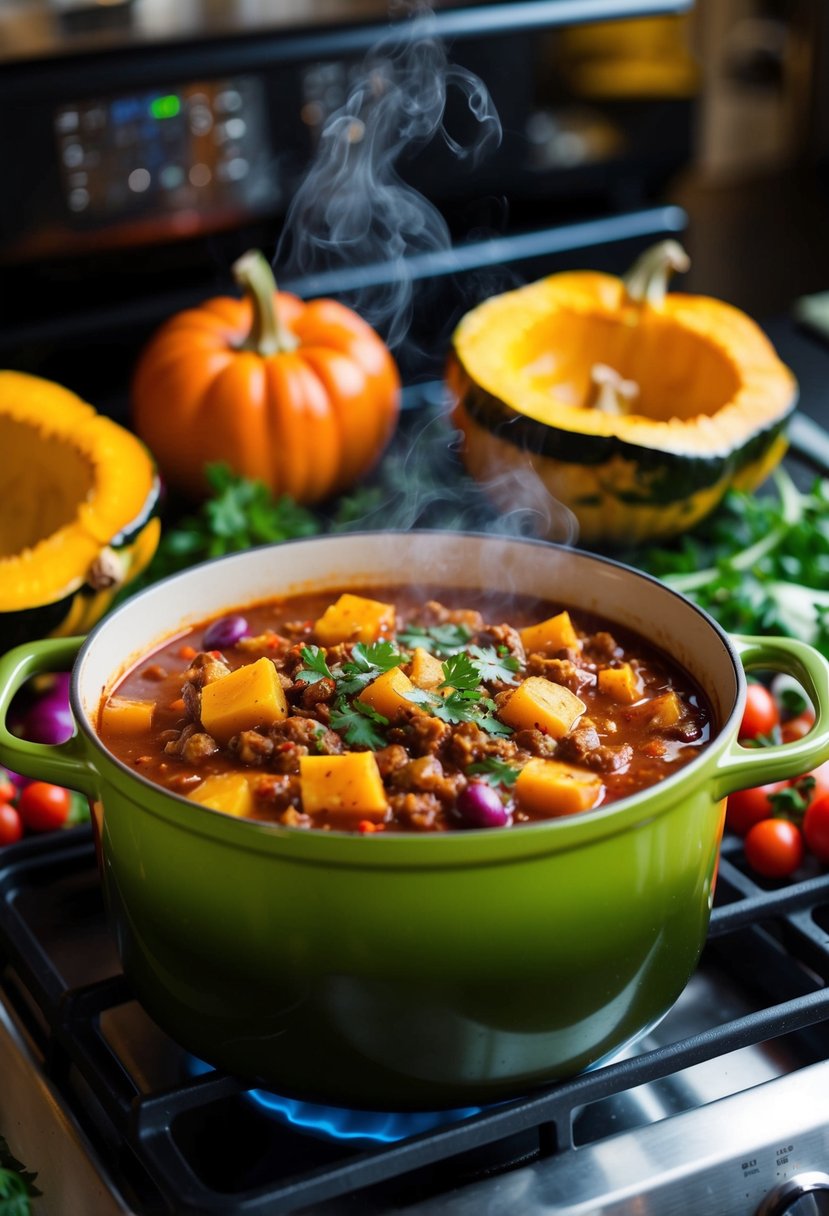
{"x":340,"y":1123}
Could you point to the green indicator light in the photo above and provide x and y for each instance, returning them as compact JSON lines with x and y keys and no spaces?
{"x":165,"y":107}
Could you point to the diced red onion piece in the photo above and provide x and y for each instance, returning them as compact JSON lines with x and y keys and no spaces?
{"x":480,"y":807}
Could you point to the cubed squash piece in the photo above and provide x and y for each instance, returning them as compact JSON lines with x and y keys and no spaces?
{"x":621,"y":683}
{"x":548,"y":637}
{"x":426,"y":671}
{"x":387,"y":693}
{"x":663,"y":711}
{"x":228,"y":792}
{"x":123,"y":716}
{"x":549,"y":788}
{"x":353,"y":618}
{"x":347,"y":785}
{"x":249,"y":696}
{"x":539,"y":704}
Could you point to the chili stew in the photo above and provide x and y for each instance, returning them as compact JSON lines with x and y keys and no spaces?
{"x":385,"y":710}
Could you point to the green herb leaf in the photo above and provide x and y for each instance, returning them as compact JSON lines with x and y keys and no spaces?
{"x":439,"y":640}
{"x":495,"y":771}
{"x":366,"y":664}
{"x":316,"y":668}
{"x":17,"y":1184}
{"x":463,"y":705}
{"x":759,"y":564}
{"x":239,"y":514}
{"x":461,"y":673}
{"x":495,"y":665}
{"x":357,"y":723}
{"x":14,"y":1195}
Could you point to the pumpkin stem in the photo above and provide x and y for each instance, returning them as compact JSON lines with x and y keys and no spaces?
{"x":610,"y":392}
{"x":268,"y":336}
{"x":647,"y":279}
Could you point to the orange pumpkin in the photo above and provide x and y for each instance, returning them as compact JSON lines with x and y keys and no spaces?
{"x":302,"y":396}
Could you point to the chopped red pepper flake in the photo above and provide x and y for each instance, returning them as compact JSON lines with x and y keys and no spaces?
{"x":365,"y":825}
{"x":286,"y":747}
{"x":215,"y":654}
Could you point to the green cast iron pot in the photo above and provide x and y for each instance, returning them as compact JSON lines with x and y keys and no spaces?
{"x":400,"y":971}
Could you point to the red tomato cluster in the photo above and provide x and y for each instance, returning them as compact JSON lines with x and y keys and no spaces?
{"x":781,"y":821}
{"x":36,"y":807}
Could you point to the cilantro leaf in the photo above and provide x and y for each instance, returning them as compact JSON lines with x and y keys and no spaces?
{"x":358,"y":724}
{"x":365,"y":665}
{"x":439,"y":640}
{"x":493,"y":726}
{"x":462,"y":705}
{"x":461,"y":673}
{"x":316,"y":668}
{"x":495,"y":665}
{"x":496,"y":771}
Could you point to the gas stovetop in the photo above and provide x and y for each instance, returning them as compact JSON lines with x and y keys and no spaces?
{"x":721,"y":1105}
{"x":722,"y":1110}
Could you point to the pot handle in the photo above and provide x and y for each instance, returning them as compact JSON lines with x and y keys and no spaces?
{"x":741,"y":767}
{"x":60,"y":763}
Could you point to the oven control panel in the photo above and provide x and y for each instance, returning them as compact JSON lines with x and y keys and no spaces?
{"x":179,"y":156}
{"x":192,"y":146}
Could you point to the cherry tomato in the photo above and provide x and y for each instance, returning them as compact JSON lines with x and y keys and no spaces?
{"x":816,"y":826}
{"x":11,"y":826}
{"x":774,"y":848}
{"x":761,"y":713}
{"x":43,"y":806}
{"x":8,"y":790}
{"x":795,"y":728}
{"x":747,"y":807}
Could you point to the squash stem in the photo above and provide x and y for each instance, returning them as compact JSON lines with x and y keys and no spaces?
{"x":647,"y":280}
{"x":268,"y":336}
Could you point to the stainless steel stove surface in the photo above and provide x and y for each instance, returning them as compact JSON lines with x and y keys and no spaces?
{"x":723,"y":1106}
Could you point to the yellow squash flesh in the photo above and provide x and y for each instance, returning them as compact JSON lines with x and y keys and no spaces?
{"x":636,"y":408}
{"x":79,"y":494}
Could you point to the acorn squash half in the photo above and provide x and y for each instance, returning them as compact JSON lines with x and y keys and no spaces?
{"x":78,"y":496}
{"x":637,"y":409}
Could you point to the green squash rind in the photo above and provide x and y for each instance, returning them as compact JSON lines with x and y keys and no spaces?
{"x":664,"y":493}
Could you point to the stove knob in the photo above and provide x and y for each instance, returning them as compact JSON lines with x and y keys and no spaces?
{"x":802,"y":1195}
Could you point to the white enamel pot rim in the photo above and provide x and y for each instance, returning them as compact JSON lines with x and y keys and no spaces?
{"x":562,"y":575}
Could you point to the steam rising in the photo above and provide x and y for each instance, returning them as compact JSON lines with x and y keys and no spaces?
{"x":421,"y":485}
{"x":352,"y":210}
{"x":353,"y":207}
